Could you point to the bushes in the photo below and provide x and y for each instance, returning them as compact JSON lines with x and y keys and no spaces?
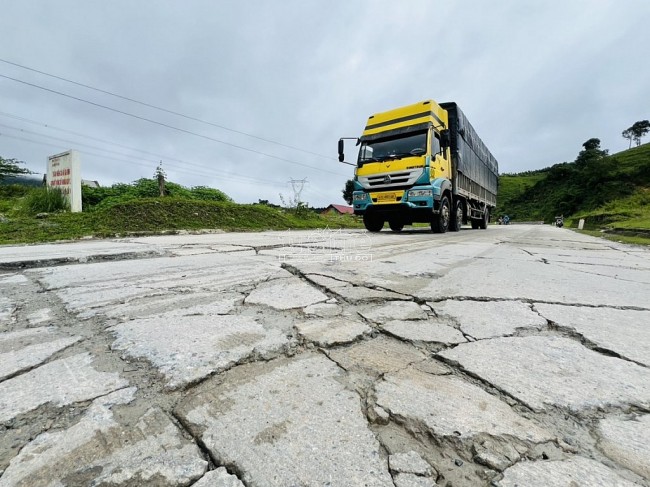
{"x":96,"y":198}
{"x":45,"y":200}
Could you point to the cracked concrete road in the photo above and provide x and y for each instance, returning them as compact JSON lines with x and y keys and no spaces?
{"x":514,"y":356}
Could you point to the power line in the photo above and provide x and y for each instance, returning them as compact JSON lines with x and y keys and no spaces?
{"x":76,"y":143}
{"x":188,"y":117}
{"x":236,"y":178}
{"x":162,"y":124}
{"x":85,"y":136}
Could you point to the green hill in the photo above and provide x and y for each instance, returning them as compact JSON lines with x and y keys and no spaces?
{"x":607,"y":190}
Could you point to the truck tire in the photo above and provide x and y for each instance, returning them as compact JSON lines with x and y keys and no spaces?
{"x":440,"y":221}
{"x":395,"y":225}
{"x":486,"y":218}
{"x":457,"y":216}
{"x":372,"y":223}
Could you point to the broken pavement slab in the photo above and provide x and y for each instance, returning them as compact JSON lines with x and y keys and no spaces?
{"x":98,"y":450}
{"x":7,"y":310}
{"x":24,"y":349}
{"x":549,"y":371}
{"x":489,"y":319}
{"x":377,"y":356}
{"x":218,"y":478}
{"x":96,"y":287}
{"x":450,"y":407}
{"x":323,"y":310}
{"x":412,"y":480}
{"x":394,"y":310}
{"x":428,"y":331}
{"x":576,"y":471}
{"x":209,"y":344}
{"x":284,"y":294}
{"x":13,"y":279}
{"x":627,"y":442}
{"x":602,"y":326}
{"x":331,"y":331}
{"x":533,"y":280}
{"x":61,"y":382}
{"x":410,"y":462}
{"x":287,"y":422}
{"x":18,"y":257}
{"x":355,"y":293}
{"x":176,"y":305}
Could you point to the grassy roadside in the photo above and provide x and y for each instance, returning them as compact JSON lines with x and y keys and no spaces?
{"x":627,"y":239}
{"x":161,"y":215}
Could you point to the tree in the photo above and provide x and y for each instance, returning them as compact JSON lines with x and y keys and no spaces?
{"x":639,"y":130}
{"x":627,"y":134}
{"x":348,"y":190}
{"x":9,"y":167}
{"x":591,"y":153}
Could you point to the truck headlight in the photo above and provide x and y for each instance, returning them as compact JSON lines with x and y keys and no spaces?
{"x":359,"y":196}
{"x":419,"y":193}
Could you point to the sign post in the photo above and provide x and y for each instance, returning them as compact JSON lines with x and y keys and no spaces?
{"x":64,"y":172}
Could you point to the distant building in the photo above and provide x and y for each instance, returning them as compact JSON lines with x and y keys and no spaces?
{"x":338,"y":210}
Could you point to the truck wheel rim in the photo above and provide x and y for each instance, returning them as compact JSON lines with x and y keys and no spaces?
{"x":444,"y":213}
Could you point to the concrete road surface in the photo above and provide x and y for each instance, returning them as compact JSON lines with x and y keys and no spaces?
{"x":513,"y":356}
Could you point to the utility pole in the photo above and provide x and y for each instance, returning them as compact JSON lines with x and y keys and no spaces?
{"x":160,"y":176}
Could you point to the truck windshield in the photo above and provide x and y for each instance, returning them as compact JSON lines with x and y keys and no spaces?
{"x":396,"y":147}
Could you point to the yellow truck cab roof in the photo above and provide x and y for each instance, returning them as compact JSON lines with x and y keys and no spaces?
{"x":427,"y":111}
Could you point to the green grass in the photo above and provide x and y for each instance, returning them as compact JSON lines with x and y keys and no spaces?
{"x":45,"y":200}
{"x":631,"y":212}
{"x":617,"y":238}
{"x":159,"y":215}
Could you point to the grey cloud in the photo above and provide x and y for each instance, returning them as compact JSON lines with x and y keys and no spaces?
{"x":536,"y":79}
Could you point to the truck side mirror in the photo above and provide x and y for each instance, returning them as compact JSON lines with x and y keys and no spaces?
{"x":341,"y":156}
{"x":444,"y":139}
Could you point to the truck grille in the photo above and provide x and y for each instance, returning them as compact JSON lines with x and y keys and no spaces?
{"x":390,"y":179}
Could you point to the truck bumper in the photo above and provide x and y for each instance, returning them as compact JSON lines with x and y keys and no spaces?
{"x":417,"y":199}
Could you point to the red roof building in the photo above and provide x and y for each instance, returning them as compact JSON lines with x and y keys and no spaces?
{"x":338,"y":210}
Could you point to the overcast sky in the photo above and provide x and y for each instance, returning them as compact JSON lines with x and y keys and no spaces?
{"x":536,"y":79}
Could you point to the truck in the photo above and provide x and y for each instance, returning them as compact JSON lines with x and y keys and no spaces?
{"x":422,"y":163}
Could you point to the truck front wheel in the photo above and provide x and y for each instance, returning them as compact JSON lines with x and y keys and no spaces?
{"x":457,"y":216}
{"x":396,"y":225}
{"x":373,"y":223}
{"x":440,"y":221}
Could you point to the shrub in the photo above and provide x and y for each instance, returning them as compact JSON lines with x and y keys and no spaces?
{"x":96,"y":198}
{"x":45,"y":200}
{"x":209,"y":194}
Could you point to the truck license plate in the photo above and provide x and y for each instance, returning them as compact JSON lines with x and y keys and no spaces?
{"x":383,"y":197}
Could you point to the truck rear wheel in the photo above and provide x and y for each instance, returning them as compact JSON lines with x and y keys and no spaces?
{"x":440,"y":221}
{"x":457,"y":216}
{"x":486,"y":219}
{"x":373,"y":223}
{"x":395,"y":225}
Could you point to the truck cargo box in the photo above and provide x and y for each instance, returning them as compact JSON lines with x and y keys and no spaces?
{"x":478,"y":170}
